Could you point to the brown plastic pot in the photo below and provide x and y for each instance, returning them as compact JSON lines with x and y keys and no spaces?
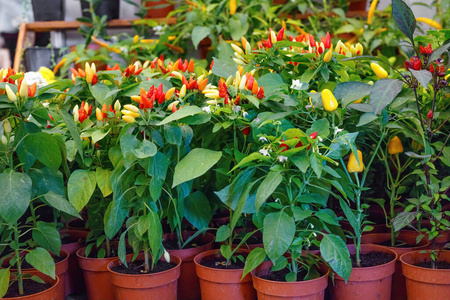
{"x":372,"y":283}
{"x":409,"y":237}
{"x":188,"y":283}
{"x":61,"y":268}
{"x":220,"y":284}
{"x":424,"y":283}
{"x":162,"y":285}
{"x":158,"y":9}
{"x":49,"y":294}
{"x":96,"y":275}
{"x":74,"y":282}
{"x":77,"y":224}
{"x":300,"y":290}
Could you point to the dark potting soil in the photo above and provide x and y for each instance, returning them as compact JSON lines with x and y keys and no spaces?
{"x":281,"y":275}
{"x":372,"y":259}
{"x":219,"y":262}
{"x":68,"y":240}
{"x":443,"y":265}
{"x":398,"y":244}
{"x":29,"y":287}
{"x":26,"y":265}
{"x":137,"y":267}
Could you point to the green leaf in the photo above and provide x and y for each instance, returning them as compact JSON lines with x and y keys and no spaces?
{"x":40,"y":259}
{"x":249,"y":158}
{"x":194,"y":164}
{"x":142,"y":225}
{"x":4,"y":281}
{"x":181,"y":113}
{"x":115,"y":215}
{"x":197,"y":210}
{"x":15,"y":195}
{"x":223,"y":233}
{"x":316,"y":164}
{"x":254,"y":259}
{"x":45,"y":148}
{"x":128,"y":144}
{"x":383,"y":93}
{"x":423,"y":76}
{"x":350,"y":217}
{"x":103,"y":178}
{"x":404,"y":18}
{"x":45,"y":180}
{"x":46,"y":236}
{"x":73,"y":129}
{"x":267,"y":187}
{"x":122,"y":249}
{"x":60,"y":203}
{"x":98,"y":135}
{"x":80,"y":188}
{"x":301,"y":161}
{"x":154,"y":234}
{"x":243,"y":197}
{"x":224,"y":68}
{"x":439,"y":51}
{"x":99,"y":91}
{"x":366,"y":118}
{"x":226,"y":252}
{"x":334,"y":251}
{"x":278,"y":234}
{"x":404,"y":219}
{"x":146,"y":149}
{"x":351,"y":91}
{"x":198,"y":34}
{"x":272,"y":82}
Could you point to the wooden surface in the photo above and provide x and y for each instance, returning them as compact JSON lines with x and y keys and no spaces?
{"x":46,"y":26}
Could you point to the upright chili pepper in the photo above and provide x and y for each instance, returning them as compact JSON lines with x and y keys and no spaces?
{"x":329,"y":101}
{"x":233,"y":7}
{"x":379,"y":71}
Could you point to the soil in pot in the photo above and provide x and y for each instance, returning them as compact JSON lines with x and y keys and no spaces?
{"x":137,"y":267}
{"x":368,"y":283}
{"x":30,"y":287}
{"x":281,"y":275}
{"x":443,"y":265}
{"x":221,"y":282}
{"x":372,"y":259}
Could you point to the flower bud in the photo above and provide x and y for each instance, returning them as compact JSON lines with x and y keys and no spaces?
{"x":7,"y":126}
{"x":166,"y":256}
{"x":117,"y":105}
{"x":4,"y":140}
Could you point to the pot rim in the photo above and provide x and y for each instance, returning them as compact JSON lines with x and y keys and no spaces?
{"x":216,"y":251}
{"x":403,"y":256}
{"x":54,"y":286}
{"x":377,"y":246}
{"x":424,"y":240}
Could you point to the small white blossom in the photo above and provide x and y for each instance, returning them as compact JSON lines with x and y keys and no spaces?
{"x":264,"y":152}
{"x":320,"y":139}
{"x":337,"y":130}
{"x":45,"y":104}
{"x":263,"y":139}
{"x":237,"y":109}
{"x":244,"y":114}
{"x":207,"y":109}
{"x":124,"y":50}
{"x":296,"y":84}
{"x":34,"y":77}
{"x":157,"y":29}
{"x":282,"y":158}
{"x":166,"y":256}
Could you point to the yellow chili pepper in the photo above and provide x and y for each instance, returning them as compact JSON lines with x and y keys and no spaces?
{"x":353,"y":165}
{"x":371,"y":12}
{"x":329,"y":101}
{"x":23,"y":91}
{"x":328,"y":55}
{"x":59,"y":65}
{"x":395,"y":146}
{"x":99,"y":114}
{"x":182,"y":91}
{"x":430,"y":22}
{"x":169,"y":93}
{"x":128,"y":119}
{"x":11,"y":95}
{"x":136,"y":39}
{"x":379,"y":71}
{"x":233,"y":7}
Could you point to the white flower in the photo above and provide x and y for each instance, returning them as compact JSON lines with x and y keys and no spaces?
{"x":296,"y":84}
{"x":157,"y":29}
{"x":237,"y":109}
{"x":166,"y":256}
{"x":244,"y":114}
{"x":34,"y":77}
{"x":320,"y":139}
{"x":263,"y":139}
{"x":124,"y":50}
{"x":282,"y":158}
{"x":264,"y":152}
{"x":45,"y":104}
{"x":337,"y":130}
{"x":207,"y":109}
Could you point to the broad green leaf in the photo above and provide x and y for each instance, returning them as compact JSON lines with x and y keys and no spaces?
{"x":4,"y":281}
{"x":223,"y":233}
{"x":115,"y":215}
{"x":146,"y":149}
{"x":254,"y":259}
{"x":197,"y":210}
{"x":272,"y":82}
{"x":404,"y":18}
{"x":199,"y":33}
{"x":383,"y":93}
{"x":98,"y":135}
{"x":80,"y":188}
{"x":366,"y":118}
{"x":173,"y":134}
{"x":423,"y":76}
{"x":350,"y":217}
{"x":99,"y":91}
{"x":45,"y":148}
{"x":301,"y":161}
{"x":253,"y":156}
{"x":46,"y":236}
{"x":404,"y":219}
{"x":181,"y":113}
{"x":128,"y":144}
{"x":122,"y":249}
{"x":15,"y":195}
{"x":342,"y":144}
{"x":103,"y":178}
{"x":321,"y":126}
{"x":45,"y":180}
{"x":243,"y":197}
{"x":154,"y":234}
{"x":439,"y":51}
{"x":224,"y":68}
{"x":73,"y":129}
{"x":60,"y":203}
{"x":40,"y":259}
{"x":225,"y":250}
{"x":142,"y":225}
{"x":334,"y":251}
{"x":267,"y":187}
{"x":278,"y":234}
{"x":194,"y":164}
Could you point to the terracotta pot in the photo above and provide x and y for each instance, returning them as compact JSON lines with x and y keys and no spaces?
{"x":372,"y":283}
{"x":357,"y":5}
{"x":300,"y":290}
{"x":188,"y":283}
{"x":409,"y":237}
{"x":162,"y":285}
{"x":158,"y":9}
{"x":49,"y":294}
{"x":424,"y":283}
{"x":74,"y":282}
{"x":77,"y":224}
{"x":96,"y":276}
{"x":61,"y":268}
{"x":220,"y":284}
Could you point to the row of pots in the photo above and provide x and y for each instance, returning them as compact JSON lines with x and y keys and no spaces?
{"x":230,"y":284}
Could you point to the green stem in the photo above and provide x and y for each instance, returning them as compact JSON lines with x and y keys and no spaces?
{"x":146,"y":260}
{"x":358,"y":219}
{"x":19,"y":260}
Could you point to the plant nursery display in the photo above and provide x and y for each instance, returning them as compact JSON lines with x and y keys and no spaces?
{"x":251,"y":150}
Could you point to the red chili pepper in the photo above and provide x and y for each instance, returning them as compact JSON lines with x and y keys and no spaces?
{"x":250,"y":82}
{"x":246,"y":130}
{"x":238,"y":100}
{"x":313,"y":135}
{"x":211,"y":65}
{"x":94,"y":79}
{"x":327,"y":42}
{"x":430,"y":115}
{"x":280,"y":35}
{"x":312,"y":42}
{"x":223,"y":90}
{"x":426,"y":50}
{"x":283,"y":145}
{"x":260,"y":94}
